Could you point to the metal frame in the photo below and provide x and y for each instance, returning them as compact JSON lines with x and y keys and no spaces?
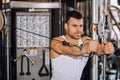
{"x":37,"y":6}
{"x":23,"y":4}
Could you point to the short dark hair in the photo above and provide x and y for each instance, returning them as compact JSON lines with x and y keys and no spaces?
{"x":74,"y":14}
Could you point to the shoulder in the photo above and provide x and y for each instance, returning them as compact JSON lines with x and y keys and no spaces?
{"x":60,"y":38}
{"x":84,"y":38}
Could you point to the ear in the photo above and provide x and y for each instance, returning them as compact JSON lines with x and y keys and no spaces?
{"x":66,"y":26}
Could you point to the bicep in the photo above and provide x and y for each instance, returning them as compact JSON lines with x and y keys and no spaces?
{"x":53,"y":54}
{"x":56,"y":45}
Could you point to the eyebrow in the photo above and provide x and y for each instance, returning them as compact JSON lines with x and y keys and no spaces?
{"x":76,"y":25}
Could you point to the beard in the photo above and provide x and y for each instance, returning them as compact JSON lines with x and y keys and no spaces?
{"x":74,"y":36}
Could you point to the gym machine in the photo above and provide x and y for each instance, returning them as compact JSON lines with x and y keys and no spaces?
{"x":102,"y":26}
{"x":28,"y":34}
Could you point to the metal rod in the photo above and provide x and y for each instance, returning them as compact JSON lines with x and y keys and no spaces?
{"x":104,"y":67}
{"x":30,"y":59}
{"x":94,"y":72}
{"x":8,"y":55}
{"x":45,"y":5}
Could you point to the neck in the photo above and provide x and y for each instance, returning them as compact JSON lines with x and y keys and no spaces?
{"x":72,"y":40}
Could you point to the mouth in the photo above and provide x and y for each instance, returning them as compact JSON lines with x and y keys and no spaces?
{"x":77,"y":34}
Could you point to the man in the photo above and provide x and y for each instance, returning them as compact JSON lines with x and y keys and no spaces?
{"x":68,"y":52}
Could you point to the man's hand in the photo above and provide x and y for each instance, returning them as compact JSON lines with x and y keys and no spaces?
{"x":107,"y":47}
{"x":93,"y":46}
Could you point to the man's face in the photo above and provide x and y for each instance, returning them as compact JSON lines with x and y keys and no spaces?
{"x":74,"y":28}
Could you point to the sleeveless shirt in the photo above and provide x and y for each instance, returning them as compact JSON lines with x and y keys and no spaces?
{"x":67,"y":67}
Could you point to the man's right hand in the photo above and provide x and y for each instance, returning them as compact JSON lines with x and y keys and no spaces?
{"x":93,"y":46}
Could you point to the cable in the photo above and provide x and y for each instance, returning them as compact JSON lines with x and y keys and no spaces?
{"x":63,"y":42}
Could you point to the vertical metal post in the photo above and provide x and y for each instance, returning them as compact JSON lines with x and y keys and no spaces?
{"x":94,"y":72}
{"x":104,"y":67}
{"x":7,"y":54}
{"x":105,"y":27}
{"x":60,"y":18}
{"x":100,"y":32}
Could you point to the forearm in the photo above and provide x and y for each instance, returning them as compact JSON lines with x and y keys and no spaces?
{"x":67,"y":50}
{"x":59,"y":48}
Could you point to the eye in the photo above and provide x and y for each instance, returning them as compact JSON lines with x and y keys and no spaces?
{"x":74,"y":25}
{"x":81,"y":25}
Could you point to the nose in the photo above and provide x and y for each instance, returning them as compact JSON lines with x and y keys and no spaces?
{"x":79,"y":29}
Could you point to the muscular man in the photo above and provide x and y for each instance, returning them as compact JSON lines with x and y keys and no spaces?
{"x":68,"y":51}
